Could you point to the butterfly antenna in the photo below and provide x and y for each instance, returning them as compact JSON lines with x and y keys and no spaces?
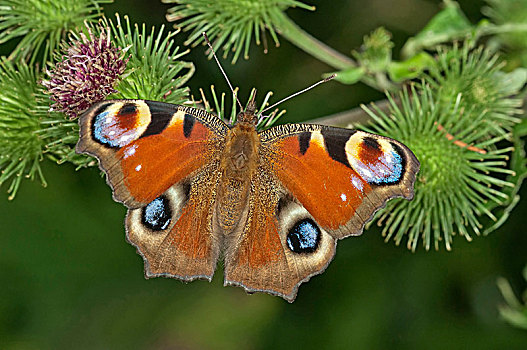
{"x":300,"y":92}
{"x":221,"y":68}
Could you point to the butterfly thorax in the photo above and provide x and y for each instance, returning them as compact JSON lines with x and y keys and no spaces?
{"x":238,"y":164}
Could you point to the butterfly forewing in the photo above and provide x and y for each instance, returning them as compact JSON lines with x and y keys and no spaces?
{"x":145,"y":147}
{"x":340,"y":176}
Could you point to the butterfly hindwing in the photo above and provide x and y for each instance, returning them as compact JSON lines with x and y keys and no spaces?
{"x":173,"y":233}
{"x":145,"y":147}
{"x":280,"y":245}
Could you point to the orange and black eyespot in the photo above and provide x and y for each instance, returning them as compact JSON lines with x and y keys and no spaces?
{"x":114,"y":127}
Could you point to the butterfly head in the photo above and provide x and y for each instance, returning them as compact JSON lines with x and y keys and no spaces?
{"x":249,"y":114}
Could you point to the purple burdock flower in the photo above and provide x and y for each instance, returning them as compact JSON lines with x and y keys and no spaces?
{"x":87,"y":73}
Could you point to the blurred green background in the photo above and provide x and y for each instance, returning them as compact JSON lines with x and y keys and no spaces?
{"x":69,"y":280}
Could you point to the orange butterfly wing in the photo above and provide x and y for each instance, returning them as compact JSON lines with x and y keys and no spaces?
{"x":318,"y":184}
{"x":342,"y":176}
{"x":258,"y":257}
{"x":161,"y":161}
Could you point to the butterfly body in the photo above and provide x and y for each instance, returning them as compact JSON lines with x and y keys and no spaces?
{"x":271,"y":204}
{"x":239,"y":162}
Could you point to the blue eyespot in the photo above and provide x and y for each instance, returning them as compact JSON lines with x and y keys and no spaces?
{"x":394,"y":161}
{"x":116,"y":129}
{"x":157,"y":214}
{"x":100,"y":130}
{"x":304,"y":236}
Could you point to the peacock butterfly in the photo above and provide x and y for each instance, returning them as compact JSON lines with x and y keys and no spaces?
{"x":272,"y":204}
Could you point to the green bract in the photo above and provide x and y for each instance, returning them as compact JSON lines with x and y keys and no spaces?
{"x":484,"y":91}
{"x":455,"y":182}
{"x":231,"y":24}
{"x":43,"y":24}
{"x":20,"y":147}
{"x":154,"y":71}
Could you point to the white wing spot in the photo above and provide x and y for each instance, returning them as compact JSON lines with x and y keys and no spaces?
{"x":137,"y":168}
{"x":124,"y":139}
{"x":357,"y":182}
{"x":343,"y":197}
{"x":130,"y":151}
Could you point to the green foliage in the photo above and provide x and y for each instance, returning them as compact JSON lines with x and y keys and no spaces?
{"x":43,"y":24}
{"x":350,"y":75}
{"x":154,"y":71}
{"x":20,"y":146}
{"x":376,"y":52}
{"x":506,"y":12}
{"x":410,"y":68}
{"x":231,"y":24}
{"x":59,"y":134}
{"x":475,"y":77}
{"x":451,"y":23}
{"x":454,"y":182}
{"x":515,"y":311}
{"x":469,"y":88}
{"x":462,"y":119}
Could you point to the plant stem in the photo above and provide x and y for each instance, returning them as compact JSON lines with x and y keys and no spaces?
{"x":313,"y":46}
{"x":297,"y":36}
{"x":504,"y":28}
{"x":353,"y":116}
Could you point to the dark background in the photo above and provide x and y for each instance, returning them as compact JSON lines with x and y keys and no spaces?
{"x":69,"y":280}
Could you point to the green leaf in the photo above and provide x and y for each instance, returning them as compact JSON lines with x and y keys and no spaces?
{"x":510,"y":13}
{"x":513,"y":81}
{"x":518,"y":164}
{"x":411,"y":68}
{"x":448,"y":24}
{"x":42,"y":24}
{"x":514,"y":312}
{"x":348,"y":76}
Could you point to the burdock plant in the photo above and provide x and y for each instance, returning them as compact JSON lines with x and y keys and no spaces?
{"x":43,"y":24}
{"x":90,"y":65}
{"x":110,"y":61}
{"x":457,"y":178}
{"x":455,"y":103}
{"x":87,"y":72}
{"x":20,"y":147}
